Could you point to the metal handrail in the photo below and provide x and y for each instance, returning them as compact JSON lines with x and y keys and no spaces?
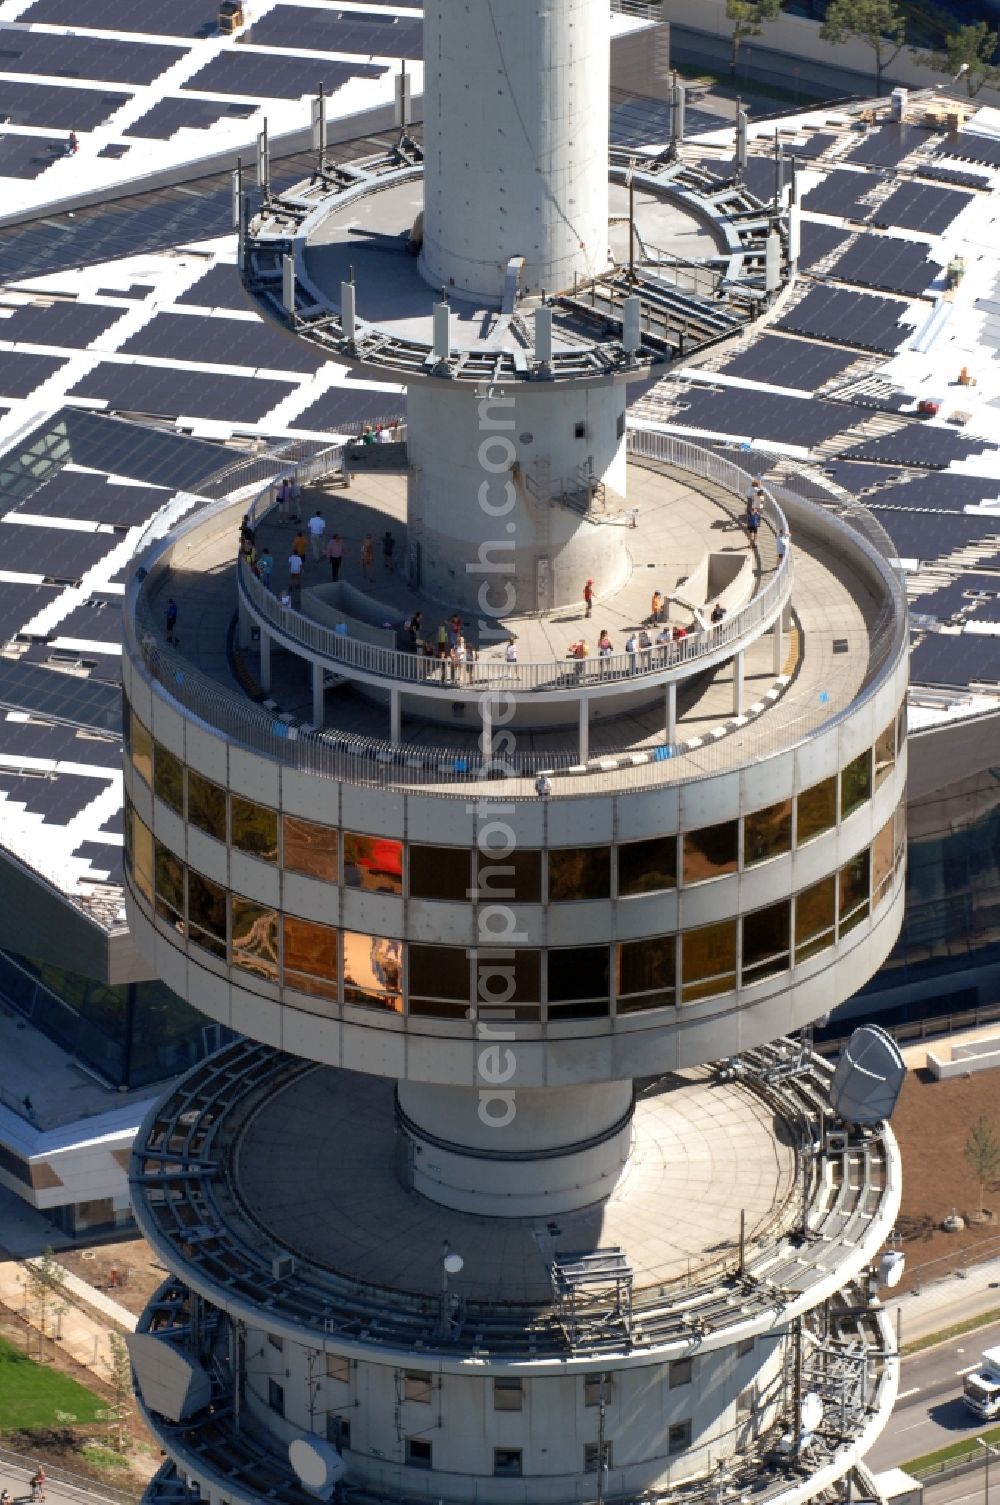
{"x":567,"y":673}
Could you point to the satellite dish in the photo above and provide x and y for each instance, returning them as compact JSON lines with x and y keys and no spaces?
{"x":811,"y":1411}
{"x":869,"y":1077}
{"x":454,"y":1264}
{"x":318,"y":1465}
{"x":891,"y":1267}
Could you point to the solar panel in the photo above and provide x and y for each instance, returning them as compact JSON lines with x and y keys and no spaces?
{"x":20,"y":602}
{"x":75,"y":56}
{"x":181,"y":18}
{"x":943,"y":601}
{"x":819,"y":241}
{"x":888,"y":144}
{"x":884,"y":261}
{"x":857,"y":477}
{"x":339,"y":31}
{"x":60,"y":108}
{"x":941,"y":491}
{"x":21,"y":371}
{"x":82,"y":495}
{"x":762,"y":415}
{"x":221,"y":341}
{"x":219,"y":287}
{"x":104,"y":857}
{"x":96,"y":621}
{"x":71,"y":325}
{"x":68,"y":698}
{"x":921,"y":206}
{"x":968,"y":147}
{"x":952,"y":175}
{"x":263,"y":75}
{"x":840,"y":194}
{"x":27,"y":156}
{"x":918,"y":444}
{"x":789,"y":363}
{"x":930,"y":536}
{"x":57,"y":798}
{"x":170,"y":115}
{"x":847,"y":318}
{"x":637,"y":120}
{"x":56,"y":553}
{"x":945,"y":658}
{"x":341,"y":407}
{"x":172,"y":392}
{"x":814,"y":147}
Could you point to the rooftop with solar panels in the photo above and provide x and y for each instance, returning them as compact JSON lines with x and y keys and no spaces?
{"x":121,"y":313}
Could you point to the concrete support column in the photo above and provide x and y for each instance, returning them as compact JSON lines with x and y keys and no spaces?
{"x":738,"y":685}
{"x":265,"y":660}
{"x":244,"y":627}
{"x":672,"y":713}
{"x":486,"y":737}
{"x":778,"y":639}
{"x":584,"y":729}
{"x":395,"y":716}
{"x":317,"y":688}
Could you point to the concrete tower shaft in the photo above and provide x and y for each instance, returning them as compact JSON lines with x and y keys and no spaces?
{"x":515,"y":142}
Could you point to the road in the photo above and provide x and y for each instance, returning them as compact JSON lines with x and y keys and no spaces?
{"x":930,"y":1412}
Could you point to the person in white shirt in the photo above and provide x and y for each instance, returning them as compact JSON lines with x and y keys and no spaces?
{"x":317,"y":528}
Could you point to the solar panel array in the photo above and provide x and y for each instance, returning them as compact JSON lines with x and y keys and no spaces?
{"x":888,"y":144}
{"x":170,"y":115}
{"x":339,"y":31}
{"x":883,"y":261}
{"x":762,"y":415}
{"x":181,"y":391}
{"x":265,"y":75}
{"x":789,"y":363}
{"x":955,"y":659}
{"x":918,"y":444}
{"x":840,"y":194}
{"x":847,"y":318}
{"x":940,"y":492}
{"x":181,"y":18}
{"x":920,"y":206}
{"x":967,"y":146}
{"x":221,"y":341}
{"x":818,"y":241}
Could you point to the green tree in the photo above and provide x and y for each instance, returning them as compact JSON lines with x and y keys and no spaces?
{"x":749,"y":18}
{"x":968,"y":50}
{"x":982,"y":1154}
{"x":880,"y":23}
{"x":119,"y":1367}
{"x":46,"y":1289}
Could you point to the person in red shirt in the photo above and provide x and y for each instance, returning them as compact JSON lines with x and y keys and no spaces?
{"x":588,"y":596}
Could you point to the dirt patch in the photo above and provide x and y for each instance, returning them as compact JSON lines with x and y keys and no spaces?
{"x":125,"y":1270}
{"x":932,"y":1123}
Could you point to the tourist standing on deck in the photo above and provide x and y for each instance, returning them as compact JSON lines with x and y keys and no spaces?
{"x":335,"y":552}
{"x":368,"y":557}
{"x":588,"y":597}
{"x":317,"y":527}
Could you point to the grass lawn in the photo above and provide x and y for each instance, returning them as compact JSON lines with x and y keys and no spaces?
{"x":31,"y":1393}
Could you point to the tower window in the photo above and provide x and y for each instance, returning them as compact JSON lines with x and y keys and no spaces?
{"x":679,"y":1437}
{"x":418,"y":1453}
{"x":507,"y":1463}
{"x":417,"y":1386}
{"x":680,"y":1373}
{"x":580,"y":430}
{"x":276,"y":1397}
{"x":592,"y":1455}
{"x":338,"y":1368}
{"x":338,"y":1431}
{"x":508,"y":1395}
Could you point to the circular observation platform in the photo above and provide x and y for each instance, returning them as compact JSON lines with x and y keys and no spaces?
{"x":684,"y":542}
{"x":696,"y":269}
{"x":256,"y":1155}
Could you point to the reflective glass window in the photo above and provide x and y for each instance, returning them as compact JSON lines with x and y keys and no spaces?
{"x":142,"y":750}
{"x":507,"y":985}
{"x":579,"y":873}
{"x":900,"y":728}
{"x":646,"y":974}
{"x":513,"y":876}
{"x":883,"y":848}
{"x":168,"y":777}
{"x":254,"y":828}
{"x":374,"y":863}
{"x":646,"y":867}
{"x":142,"y":857}
{"x":578,"y":972}
{"x":766,"y":942}
{"x":309,"y":848}
{"x":712,"y":852}
{"x":885,"y":753}
{"x":767,"y":833}
{"x":899,"y":826}
{"x":169,"y":886}
{"x":814,"y":911}
{"x":708,"y":961}
{"x":309,"y":957}
{"x":439,"y":981}
{"x":206,"y":805}
{"x":207,"y":907}
{"x":855,"y":783}
{"x":817,"y":810}
{"x":254,"y":944}
{"x":372,"y":971}
{"x":853,"y":892}
{"x":440,"y":873}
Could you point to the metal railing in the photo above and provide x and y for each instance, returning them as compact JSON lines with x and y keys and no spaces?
{"x":487,"y":673}
{"x":87,"y":1489}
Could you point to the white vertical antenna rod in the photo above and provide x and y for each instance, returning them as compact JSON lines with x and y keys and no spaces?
{"x":263,"y":161}
{"x":288,"y":284}
{"x":348,"y":310}
{"x":319,"y":123}
{"x":402,"y":97}
{"x":741,"y":136}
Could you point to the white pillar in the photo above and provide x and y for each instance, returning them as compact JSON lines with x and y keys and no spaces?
{"x":395,"y":716}
{"x":244,"y":626}
{"x":672,"y":712}
{"x":486,"y":737}
{"x":317,"y":687}
{"x":738,"y":685}
{"x":584,"y":729}
{"x":265,"y":660}
{"x":778,"y":639}
{"x":515,"y":142}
